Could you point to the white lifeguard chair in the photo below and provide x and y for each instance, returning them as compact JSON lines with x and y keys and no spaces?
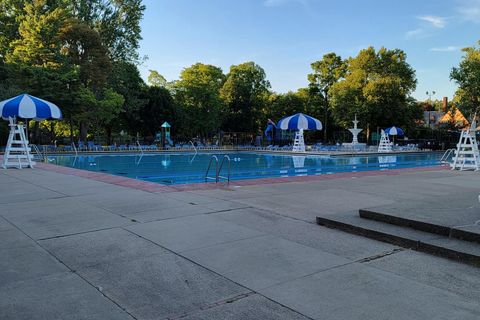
{"x":385,"y":145}
{"x":466,"y":154}
{"x":299,"y":142}
{"x":17,"y":152}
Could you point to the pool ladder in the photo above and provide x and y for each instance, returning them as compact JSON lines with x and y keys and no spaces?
{"x":218,"y":169}
{"x":447,"y":154}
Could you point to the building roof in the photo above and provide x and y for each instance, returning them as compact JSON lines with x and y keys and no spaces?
{"x":458,"y":118}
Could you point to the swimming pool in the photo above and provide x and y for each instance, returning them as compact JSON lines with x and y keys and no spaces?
{"x":181,"y":168}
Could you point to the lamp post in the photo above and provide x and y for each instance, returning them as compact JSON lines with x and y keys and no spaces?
{"x":430,"y":94}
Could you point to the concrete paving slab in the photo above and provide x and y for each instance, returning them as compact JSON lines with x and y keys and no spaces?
{"x":466,"y":179}
{"x":4,"y":225}
{"x":239,"y":192}
{"x":107,"y":246}
{"x":192,"y":197}
{"x":254,"y":307}
{"x":26,"y":262}
{"x":6,"y":198}
{"x":264,"y":261}
{"x":59,"y":217}
{"x":160,"y":286}
{"x":182,"y":210}
{"x":58,"y":297}
{"x":192,"y":232}
{"x":13,"y":238}
{"x":433,"y":271}
{"x":82,"y":187}
{"x":306,"y":206}
{"x":454,"y":209}
{"x":225,"y":205}
{"x":129,"y":201}
{"x":358,"y":292}
{"x":19,"y":187}
{"x":308,"y":234}
{"x":402,"y":189}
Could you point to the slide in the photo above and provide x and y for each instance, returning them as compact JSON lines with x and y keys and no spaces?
{"x":170,"y":142}
{"x":269,"y":132}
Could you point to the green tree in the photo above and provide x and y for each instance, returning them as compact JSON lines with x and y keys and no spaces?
{"x":83,"y":48}
{"x":10,"y":10}
{"x":159,"y":108}
{"x":39,"y":36}
{"x":125,"y":79}
{"x":326,"y":73}
{"x":467,"y":76}
{"x":197,"y":94}
{"x":155,"y":79}
{"x":286,"y":104}
{"x":245,"y":93}
{"x":376,"y":87}
{"x":117,"y":22}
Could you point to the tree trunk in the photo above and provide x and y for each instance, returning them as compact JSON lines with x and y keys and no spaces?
{"x":83,"y":131}
{"x":71,"y":130}
{"x":108,"y":130}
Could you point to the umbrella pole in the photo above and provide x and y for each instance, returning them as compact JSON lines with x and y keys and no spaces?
{"x":26,"y":131}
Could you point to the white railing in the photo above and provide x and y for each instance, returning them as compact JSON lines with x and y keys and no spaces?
{"x":38,"y":152}
{"x":193,"y":145}
{"x":75,"y":149}
{"x":446,"y":155}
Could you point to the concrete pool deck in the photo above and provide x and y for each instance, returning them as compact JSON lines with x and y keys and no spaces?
{"x":78,"y":247}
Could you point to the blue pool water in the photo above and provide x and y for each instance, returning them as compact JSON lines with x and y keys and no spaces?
{"x":181,"y":168}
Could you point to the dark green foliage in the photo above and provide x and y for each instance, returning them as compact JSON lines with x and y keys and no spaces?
{"x":159,"y":108}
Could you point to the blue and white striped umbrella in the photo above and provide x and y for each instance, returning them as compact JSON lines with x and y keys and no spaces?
{"x":299,"y":121}
{"x":29,"y":107}
{"x":394,"y":131}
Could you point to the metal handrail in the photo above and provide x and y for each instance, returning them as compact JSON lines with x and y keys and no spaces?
{"x":447,"y":154}
{"x":37,"y":151}
{"x":140,"y":148}
{"x":194,"y":148}
{"x":220,"y":169}
{"x":213,"y":157}
{"x":75,"y":149}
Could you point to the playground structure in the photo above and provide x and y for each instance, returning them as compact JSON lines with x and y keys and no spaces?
{"x":164,"y":136}
{"x":269,"y":131}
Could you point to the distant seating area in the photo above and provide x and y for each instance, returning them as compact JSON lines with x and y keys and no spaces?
{"x":91,"y":146}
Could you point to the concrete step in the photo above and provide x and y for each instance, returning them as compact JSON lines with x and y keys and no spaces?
{"x":462,"y":233}
{"x":435,"y":244}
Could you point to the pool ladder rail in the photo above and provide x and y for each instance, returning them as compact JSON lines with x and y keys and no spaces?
{"x":447,"y":154}
{"x":218,"y":169}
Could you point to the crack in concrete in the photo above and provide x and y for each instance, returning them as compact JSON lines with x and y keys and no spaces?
{"x":381,"y":255}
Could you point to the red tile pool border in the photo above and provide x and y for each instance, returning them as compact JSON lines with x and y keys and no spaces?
{"x":157,"y":188}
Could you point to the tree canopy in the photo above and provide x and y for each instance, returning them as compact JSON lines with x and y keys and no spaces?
{"x":467,"y":76}
{"x":376,"y":87}
{"x":198,"y":94}
{"x":244,"y":92}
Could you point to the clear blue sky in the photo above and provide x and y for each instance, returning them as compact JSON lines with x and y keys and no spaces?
{"x":285,"y":36}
